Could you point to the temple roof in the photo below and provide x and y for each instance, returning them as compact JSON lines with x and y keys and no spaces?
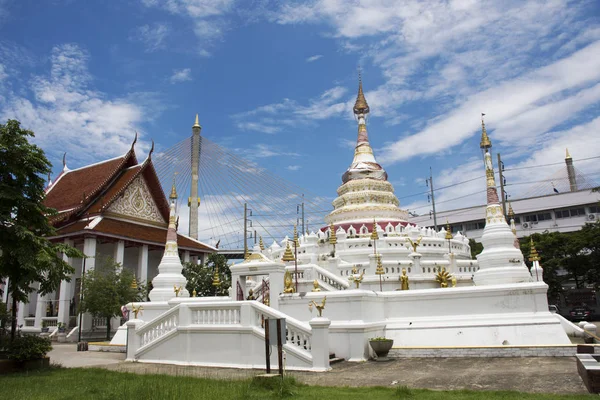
{"x":130,"y":230}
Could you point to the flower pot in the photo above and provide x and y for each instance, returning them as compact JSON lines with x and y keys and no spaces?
{"x":381,"y":347}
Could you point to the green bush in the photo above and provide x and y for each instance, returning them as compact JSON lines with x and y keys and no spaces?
{"x":28,"y":347}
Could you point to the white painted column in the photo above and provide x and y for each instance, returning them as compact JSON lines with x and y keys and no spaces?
{"x":142,"y":271}
{"x":64,"y":297}
{"x":40,"y":310}
{"x":320,"y":343}
{"x":89,"y":249}
{"x":275,"y":287}
{"x":21,"y":314}
{"x":186,"y":256}
{"x":4,"y":291}
{"x":119,"y":255}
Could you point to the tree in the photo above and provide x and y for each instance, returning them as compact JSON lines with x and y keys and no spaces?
{"x":200,"y":277}
{"x":476,"y":247}
{"x":108,"y":287}
{"x":27,"y":255}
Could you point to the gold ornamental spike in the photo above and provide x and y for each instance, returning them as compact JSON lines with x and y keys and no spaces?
{"x":288,"y":255}
{"x":196,"y":123}
{"x":485,"y":140}
{"x":296,"y":243}
{"x":448,"y":231}
{"x":173,"y":195}
{"x":332,"y":235}
{"x":533,"y":254}
{"x":360,"y":106}
{"x":261,"y":244}
{"x":568,"y":155}
{"x":374,"y":234}
{"x":511,"y":213}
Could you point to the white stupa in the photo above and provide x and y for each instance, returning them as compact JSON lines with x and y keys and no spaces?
{"x":500,"y":261}
{"x":169,"y":270}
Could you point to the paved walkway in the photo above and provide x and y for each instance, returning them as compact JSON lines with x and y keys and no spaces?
{"x":536,"y":374}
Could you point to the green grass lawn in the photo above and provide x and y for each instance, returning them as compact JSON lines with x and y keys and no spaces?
{"x":61,"y":383}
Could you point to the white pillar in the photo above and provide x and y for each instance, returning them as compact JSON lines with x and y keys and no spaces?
{"x":186,"y":256}
{"x":89,"y":249}
{"x":320,"y":343}
{"x":21,"y":313}
{"x":133,"y":339}
{"x":4,"y":291}
{"x":64,"y":297}
{"x":119,"y":252}
{"x":142,"y":271}
{"x":275,"y":287}
{"x":40,"y":310}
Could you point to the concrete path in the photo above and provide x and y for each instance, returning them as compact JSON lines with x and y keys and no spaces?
{"x":535,"y":374}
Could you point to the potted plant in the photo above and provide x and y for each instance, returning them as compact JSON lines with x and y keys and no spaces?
{"x":45,"y":327}
{"x":62,"y":327}
{"x":381,"y":346}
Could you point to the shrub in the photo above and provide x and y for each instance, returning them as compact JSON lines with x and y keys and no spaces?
{"x":28,"y":347}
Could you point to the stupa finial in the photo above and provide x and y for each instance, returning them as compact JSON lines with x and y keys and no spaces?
{"x":360,"y":106}
{"x":568,"y":155}
{"x":332,"y":235}
{"x":533,"y":254}
{"x":173,"y":195}
{"x":485,"y":143}
{"x":448,"y":231}
{"x":261,"y":244}
{"x":511,"y":212}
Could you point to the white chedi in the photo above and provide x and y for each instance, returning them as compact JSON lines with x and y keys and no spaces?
{"x":169,"y":270}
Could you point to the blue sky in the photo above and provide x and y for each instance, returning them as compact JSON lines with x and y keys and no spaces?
{"x":275,"y":81}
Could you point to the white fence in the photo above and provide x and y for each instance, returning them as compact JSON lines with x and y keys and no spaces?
{"x":226,"y":334}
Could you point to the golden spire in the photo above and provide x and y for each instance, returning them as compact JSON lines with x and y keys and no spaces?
{"x":485,"y":140}
{"x":360,"y":106}
{"x":374,"y":234}
{"x":379,"y":270}
{"x":288,"y":255}
{"x":134,"y":283}
{"x":196,"y":123}
{"x":332,"y":236}
{"x":568,"y":156}
{"x":296,"y":243}
{"x":448,"y":231}
{"x":173,"y":195}
{"x":261,"y":244}
{"x":533,"y":254}
{"x":511,"y":213}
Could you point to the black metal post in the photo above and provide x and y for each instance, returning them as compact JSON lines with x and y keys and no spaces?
{"x":267,"y":345}
{"x":80,"y":300}
{"x":279,"y":348}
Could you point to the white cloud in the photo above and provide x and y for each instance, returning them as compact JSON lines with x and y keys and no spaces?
{"x":68,"y":115}
{"x":208,"y":18}
{"x":181,"y":75}
{"x":3,"y":74}
{"x":314,"y":58}
{"x":263,"y":150}
{"x":152,"y":36}
{"x":293,"y":167}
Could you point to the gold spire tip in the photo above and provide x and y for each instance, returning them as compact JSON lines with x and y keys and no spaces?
{"x":568,"y":156}
{"x":360,"y":106}
{"x":196,"y":123}
{"x":173,"y":194}
{"x":511,"y":213}
{"x":485,"y":140}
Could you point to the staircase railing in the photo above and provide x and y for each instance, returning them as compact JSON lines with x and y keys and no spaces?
{"x":159,"y":327}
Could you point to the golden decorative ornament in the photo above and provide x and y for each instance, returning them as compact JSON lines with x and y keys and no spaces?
{"x":134,"y":283}
{"x":194,"y":293}
{"x":379,"y":270}
{"x":360,"y":106}
{"x":288,"y":255}
{"x":448,"y":231}
{"x":533,"y":254}
{"x":288,"y":282}
{"x":320,"y":307}
{"x":374,"y":234}
{"x":332,"y":235}
{"x":296,"y":243}
{"x":443,"y":277}
{"x":404,"y":283}
{"x":177,"y":290}
{"x":485,"y":140}
{"x":261,"y":244}
{"x":316,"y":286}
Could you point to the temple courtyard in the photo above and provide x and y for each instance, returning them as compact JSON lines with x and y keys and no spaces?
{"x":556,"y":375}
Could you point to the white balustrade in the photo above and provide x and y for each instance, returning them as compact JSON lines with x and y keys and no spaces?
{"x":158,"y":328}
{"x":216,"y":316}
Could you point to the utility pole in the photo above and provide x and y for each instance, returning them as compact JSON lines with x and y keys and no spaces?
{"x":303,"y":231}
{"x":245,"y":230}
{"x":502,"y":182}
{"x":430,"y":184}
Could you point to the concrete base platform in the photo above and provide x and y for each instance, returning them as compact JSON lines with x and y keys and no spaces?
{"x":106,"y":346}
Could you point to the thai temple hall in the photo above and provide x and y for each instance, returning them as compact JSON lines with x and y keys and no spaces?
{"x":366,"y":273}
{"x":116,"y":209}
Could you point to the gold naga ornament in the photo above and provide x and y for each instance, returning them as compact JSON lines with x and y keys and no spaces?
{"x":320,"y":307}
{"x":288,"y":282}
{"x":316,"y":287}
{"x":416,"y":244}
{"x":404,"y":283}
{"x":356,"y":278}
{"x":443,"y":277}
{"x":136,"y":310}
{"x":177,"y":290}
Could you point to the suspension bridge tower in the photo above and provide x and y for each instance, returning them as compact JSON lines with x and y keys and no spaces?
{"x":194,"y":200}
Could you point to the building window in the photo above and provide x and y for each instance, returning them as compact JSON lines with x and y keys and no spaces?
{"x":472,"y":226}
{"x":594,"y":209}
{"x":546,"y":216}
{"x":569,"y":212}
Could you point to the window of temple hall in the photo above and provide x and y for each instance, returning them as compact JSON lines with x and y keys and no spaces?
{"x":538,"y":217}
{"x":594,"y":209}
{"x":471,"y":226}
